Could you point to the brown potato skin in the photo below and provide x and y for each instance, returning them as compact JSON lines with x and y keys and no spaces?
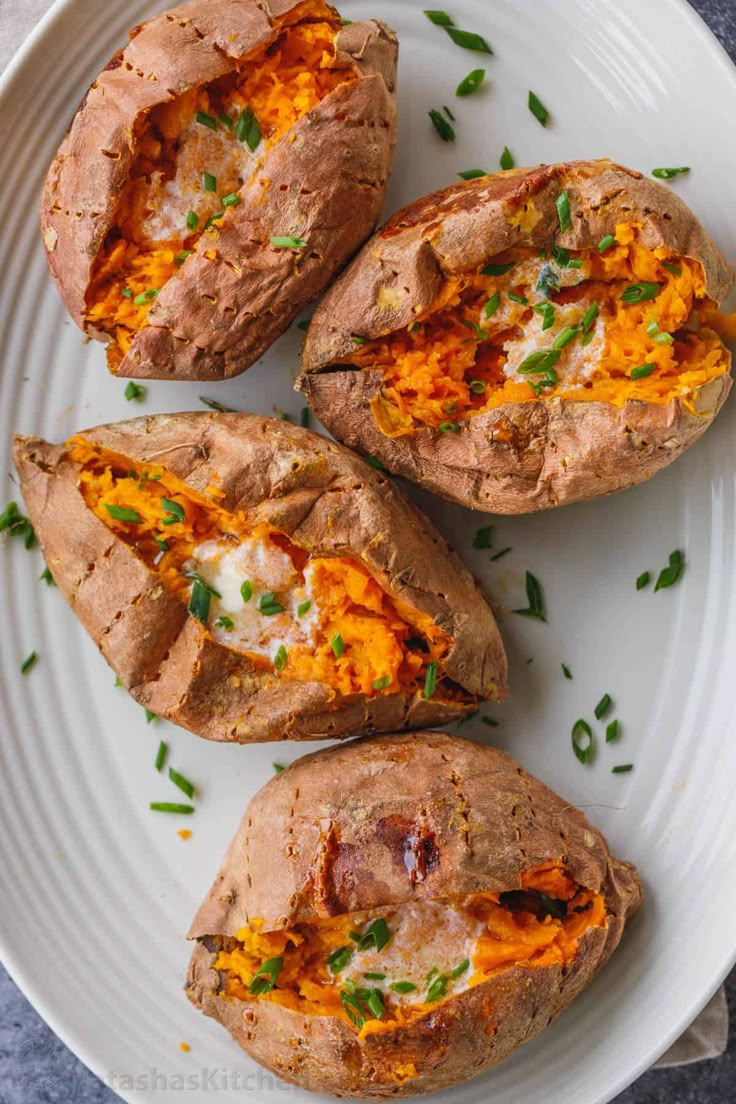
{"x":215,"y":318}
{"x":518,"y":457}
{"x":332,"y":834}
{"x":318,"y":493}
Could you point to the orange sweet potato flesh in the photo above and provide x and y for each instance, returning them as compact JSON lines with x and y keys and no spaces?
{"x":394,"y":602}
{"x":447,"y":304}
{"x":160,"y":206}
{"x":428,"y":822}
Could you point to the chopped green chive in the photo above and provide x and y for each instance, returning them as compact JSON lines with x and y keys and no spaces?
{"x":642,"y":371}
{"x":480,"y":333}
{"x":375,"y":1003}
{"x":206,"y":120}
{"x":449,"y":427}
{"x":124,"y":513}
{"x":231,"y":200}
{"x":375,"y":463}
{"x":673,"y":268}
{"x":537,"y":108}
{"x":561,"y":256}
{"x":499,"y":555}
{"x":376,"y":935}
{"x":490,"y":721}
{"x":225,"y":622}
{"x":192,"y":220}
{"x":575,"y":262}
{"x":135,"y":392}
{"x":494,"y":269}
{"x":28,"y":662}
{"x":472,"y":174}
{"x":180,"y":258}
{"x":606,"y":242}
{"x":667,"y":174}
{"x":303,"y":325}
{"x":213,"y":219}
{"x":199,"y":601}
{"x":483,"y":537}
{"x":471,"y":83}
{"x":145,"y":297}
{"x":582,"y":741}
{"x":563,"y":210}
{"x":209,"y":182}
{"x":539,"y":362}
{"x":478,"y":387}
{"x":246,"y":590}
{"x":623,"y":769}
{"x":639,"y":293}
{"x":448,"y":113}
{"x":225,"y":120}
{"x":374,"y":977}
{"x":643,"y":580}
{"x":535,"y":599}
{"x":547,"y":312}
{"x":213,"y":404}
{"x":266,"y":976}
{"x":338,"y":645}
{"x":437,"y":989}
{"x":507,"y":160}
{"x":566,"y":671}
{"x":402,"y":986}
{"x":279,"y":660}
{"x":439,"y":18}
{"x":304,"y":417}
{"x":460,"y":968}
{"x":548,"y":281}
{"x":183,"y":783}
{"x":670,"y":575}
{"x":174,"y":511}
{"x":288,"y":242}
{"x":202,"y":582}
{"x":468,"y":40}
{"x":268,"y":605}
{"x":126,"y":293}
{"x":445,"y":130}
{"x":516,"y":298}
{"x":603,"y":707}
{"x":491,"y":305}
{"x":161,"y":754}
{"x":382,"y":683}
{"x":47,"y":577}
{"x":277,"y":767}
{"x":612,"y":731}
{"x":170,"y":807}
{"x":303,"y":607}
{"x":150,"y":716}
{"x":565,"y":336}
{"x":657,"y":335}
{"x":248,"y":129}
{"x":430,"y":681}
{"x":339,"y":958}
{"x":589,"y":317}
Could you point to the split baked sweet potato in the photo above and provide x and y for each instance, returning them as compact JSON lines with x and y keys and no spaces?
{"x":528,"y":339}
{"x":218,"y":173}
{"x":400,"y":913}
{"x":251,"y":580}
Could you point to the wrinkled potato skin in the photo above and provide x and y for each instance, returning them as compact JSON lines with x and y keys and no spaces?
{"x":215,"y":318}
{"x":330,"y":835}
{"x":518,"y":457}
{"x":327,"y":501}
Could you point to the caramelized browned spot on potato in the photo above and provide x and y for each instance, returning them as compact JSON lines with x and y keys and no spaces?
{"x":625,"y":323}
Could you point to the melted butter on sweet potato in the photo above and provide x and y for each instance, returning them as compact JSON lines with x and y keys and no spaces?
{"x":143,"y":250}
{"x":457,"y":361}
{"x":476,"y":937}
{"x":312,"y":601}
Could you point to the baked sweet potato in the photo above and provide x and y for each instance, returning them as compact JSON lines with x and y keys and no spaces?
{"x":219,"y":172}
{"x":400,"y":913}
{"x":251,"y":580}
{"x":528,"y":339}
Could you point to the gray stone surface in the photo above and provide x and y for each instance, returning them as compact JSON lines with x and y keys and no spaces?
{"x":36,"y":1067}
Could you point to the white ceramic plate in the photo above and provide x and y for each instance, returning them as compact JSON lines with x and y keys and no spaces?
{"x":96,"y":892}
